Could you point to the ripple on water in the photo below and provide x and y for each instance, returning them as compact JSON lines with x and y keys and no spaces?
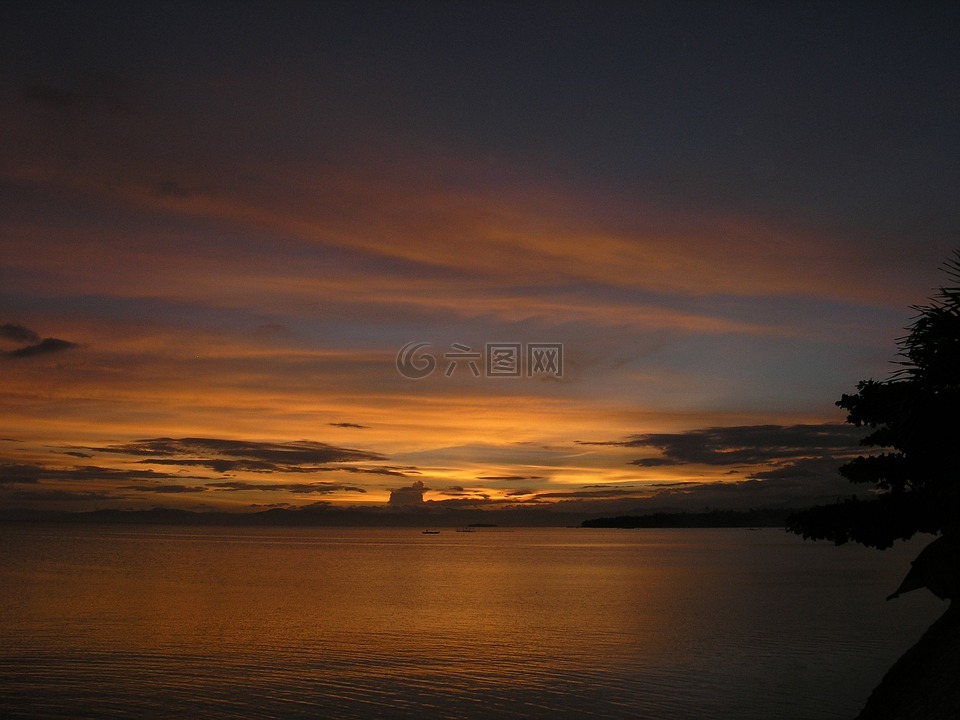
{"x":360,"y":624}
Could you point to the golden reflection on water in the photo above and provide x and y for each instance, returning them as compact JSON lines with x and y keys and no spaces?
{"x":529,"y":623}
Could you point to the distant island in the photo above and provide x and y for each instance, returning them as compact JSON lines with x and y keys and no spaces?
{"x":347,"y":517}
{"x":301,"y":517}
{"x":775,"y":517}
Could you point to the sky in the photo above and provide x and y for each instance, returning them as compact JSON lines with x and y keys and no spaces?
{"x":634,"y":251}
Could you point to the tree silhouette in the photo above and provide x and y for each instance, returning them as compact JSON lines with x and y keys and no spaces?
{"x":915,"y":421}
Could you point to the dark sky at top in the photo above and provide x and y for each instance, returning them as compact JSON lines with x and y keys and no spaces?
{"x":223,"y":220}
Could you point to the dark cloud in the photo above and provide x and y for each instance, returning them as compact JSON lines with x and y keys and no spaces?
{"x":816,"y":482}
{"x":92,"y":472}
{"x":46,"y":346}
{"x":519,"y":493}
{"x":472,"y":502}
{"x":408,"y":496}
{"x":794,"y":483}
{"x":510,"y":477}
{"x":804,"y":470}
{"x":455,"y":493}
{"x":458,"y":491}
{"x":298,"y":488}
{"x":218,"y":465}
{"x":377,"y":470}
{"x":225,"y":465}
{"x":16,"y":473}
{"x":201,"y":453}
{"x":59,"y":496}
{"x":26,"y":473}
{"x":349,"y":425}
{"x":655,"y":462}
{"x":745,"y":444}
{"x":609,"y":493}
{"x":227,"y":455}
{"x":18,"y":333}
{"x":164,"y":488}
{"x":34,"y":344}
{"x":798,"y":465}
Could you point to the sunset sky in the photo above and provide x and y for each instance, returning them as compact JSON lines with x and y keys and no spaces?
{"x":220,"y":223}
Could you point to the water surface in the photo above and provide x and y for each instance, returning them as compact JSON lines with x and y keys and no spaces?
{"x":118,"y":622}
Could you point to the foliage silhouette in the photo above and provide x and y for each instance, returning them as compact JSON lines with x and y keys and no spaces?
{"x":914,"y":420}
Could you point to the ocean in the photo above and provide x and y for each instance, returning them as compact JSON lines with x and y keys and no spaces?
{"x":162,"y":622}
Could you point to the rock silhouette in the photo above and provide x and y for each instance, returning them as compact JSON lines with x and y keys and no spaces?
{"x":936,"y":568}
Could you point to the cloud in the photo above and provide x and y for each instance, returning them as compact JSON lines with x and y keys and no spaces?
{"x":518,"y":493}
{"x":349,"y":425}
{"x":33,"y":343}
{"x":15,"y":473}
{"x":298,"y":488}
{"x":408,"y":496}
{"x":655,"y":462}
{"x":803,"y":470}
{"x":817,"y":482}
{"x":218,"y":465}
{"x":28,"y":473}
{"x":46,"y":346}
{"x":379,"y":470}
{"x":18,"y":333}
{"x":227,"y":465}
{"x":131,"y":480}
{"x":60,"y":496}
{"x":745,"y":444}
{"x":797,"y":482}
{"x":783,"y":466}
{"x":473,"y":502}
{"x":609,"y":493}
{"x":510,"y":477}
{"x":225,"y":455}
{"x":164,"y":488}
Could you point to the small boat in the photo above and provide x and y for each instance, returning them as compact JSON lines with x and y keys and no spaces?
{"x":431,"y":532}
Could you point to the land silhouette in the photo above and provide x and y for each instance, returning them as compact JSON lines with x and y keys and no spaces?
{"x":913,"y":487}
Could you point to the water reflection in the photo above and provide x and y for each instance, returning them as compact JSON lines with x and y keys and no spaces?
{"x":367,"y":622}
